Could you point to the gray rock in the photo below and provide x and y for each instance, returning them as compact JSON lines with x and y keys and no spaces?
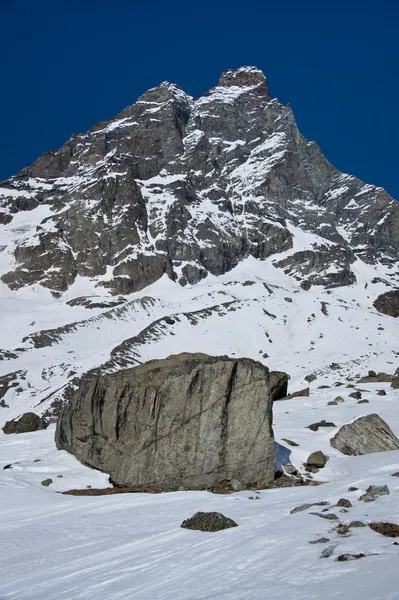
{"x":378,"y":490}
{"x":208,"y":521}
{"x":47,"y":482}
{"x":298,"y":394}
{"x":290,"y":469}
{"x":189,"y":420}
{"x":344,"y":502}
{"x":303,"y":507}
{"x":327,"y":552}
{"x":322,"y":540}
{"x":28,"y":422}
{"x":310,"y":378}
{"x":317,"y":459}
{"x":365,"y":435}
{"x":328,"y":516}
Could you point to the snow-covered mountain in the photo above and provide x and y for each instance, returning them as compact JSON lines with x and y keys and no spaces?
{"x":204,"y":225}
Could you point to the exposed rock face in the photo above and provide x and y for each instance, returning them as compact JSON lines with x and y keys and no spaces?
{"x":189,"y":420}
{"x":28,"y":422}
{"x":188,"y":187}
{"x":365,"y":435}
{"x":388,"y":303}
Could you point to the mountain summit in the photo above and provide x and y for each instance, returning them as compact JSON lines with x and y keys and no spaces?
{"x":190,"y":187}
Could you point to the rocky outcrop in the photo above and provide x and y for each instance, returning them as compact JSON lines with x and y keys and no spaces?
{"x":190,"y":420}
{"x":388,"y":303}
{"x":28,"y":422}
{"x":185,"y":187}
{"x":365,"y":435}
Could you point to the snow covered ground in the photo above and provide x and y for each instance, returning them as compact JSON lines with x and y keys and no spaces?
{"x":131,"y":546}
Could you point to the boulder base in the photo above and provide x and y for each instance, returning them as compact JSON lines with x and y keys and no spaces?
{"x":190,"y":420}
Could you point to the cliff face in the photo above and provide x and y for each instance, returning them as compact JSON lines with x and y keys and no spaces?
{"x":190,"y":420}
{"x":189,"y":187}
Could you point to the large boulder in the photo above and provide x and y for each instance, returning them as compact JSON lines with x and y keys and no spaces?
{"x":190,"y":420}
{"x":28,"y":422}
{"x":365,"y":435}
{"x":388,"y":303}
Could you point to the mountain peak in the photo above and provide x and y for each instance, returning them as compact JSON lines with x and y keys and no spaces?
{"x":243,"y":77}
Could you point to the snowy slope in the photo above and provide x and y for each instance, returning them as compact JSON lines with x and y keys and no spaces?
{"x":236,"y":237}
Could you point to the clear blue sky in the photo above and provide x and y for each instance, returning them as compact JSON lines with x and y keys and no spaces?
{"x":68,"y":65}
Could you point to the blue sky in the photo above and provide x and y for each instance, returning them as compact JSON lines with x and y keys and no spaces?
{"x":68,"y":65}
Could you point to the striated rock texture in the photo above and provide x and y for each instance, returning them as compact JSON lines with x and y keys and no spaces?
{"x":188,"y":187}
{"x":190,"y":420}
{"x":365,"y":435}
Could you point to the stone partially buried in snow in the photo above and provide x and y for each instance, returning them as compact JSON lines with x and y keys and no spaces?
{"x":365,"y":435}
{"x":191,"y":420}
{"x":25,"y":424}
{"x":208,"y":521}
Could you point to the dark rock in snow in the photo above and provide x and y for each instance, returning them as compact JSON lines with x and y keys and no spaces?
{"x":28,"y":422}
{"x":387,"y":529}
{"x":47,"y":482}
{"x":316,"y":426}
{"x":348,"y":556}
{"x":388,"y":303}
{"x":317,"y":459}
{"x":344,"y":502}
{"x":208,"y":521}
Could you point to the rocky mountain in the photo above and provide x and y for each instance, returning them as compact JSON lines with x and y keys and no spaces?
{"x":191,"y":225}
{"x":191,"y":187}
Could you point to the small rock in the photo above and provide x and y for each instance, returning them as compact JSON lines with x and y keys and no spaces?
{"x":367,"y":498}
{"x":345,"y":557}
{"x":339,"y":399}
{"x":378,"y":490}
{"x":47,"y":482}
{"x":322,"y":540}
{"x":7,"y":467}
{"x":59,"y":476}
{"x":352,"y":489}
{"x":364,"y":401}
{"x":356,"y":395}
{"x":37,"y":460}
{"x":315,"y":426}
{"x":236,"y":485}
{"x":372,"y":374}
{"x":387,"y":529}
{"x":288,"y":299}
{"x":310,"y":378}
{"x":290,"y":469}
{"x":317,"y":459}
{"x":356,"y":524}
{"x":208,"y":521}
{"x":327,"y":552}
{"x":299,"y":393}
{"x":329,"y":516}
{"x":302,"y":507}
{"x":323,"y":387}
{"x":332,"y":403}
{"x":344,"y":502}
{"x":289,"y":442}
{"x":343,"y":529}
{"x":395,"y":474}
{"x":381,"y":393}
